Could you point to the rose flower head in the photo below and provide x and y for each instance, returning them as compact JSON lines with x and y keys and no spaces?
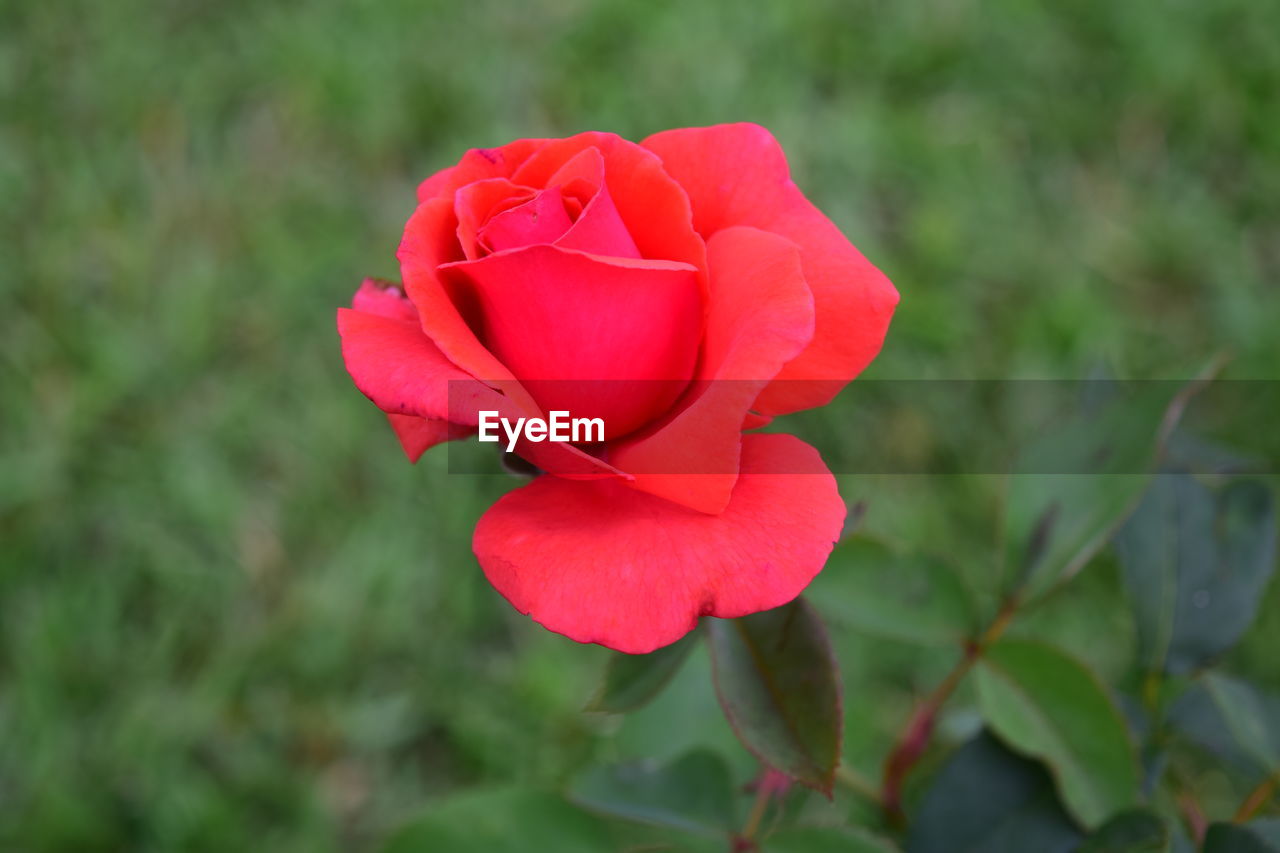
{"x":680,"y":291}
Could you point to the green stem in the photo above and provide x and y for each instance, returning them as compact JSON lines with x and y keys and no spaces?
{"x":915,"y":738}
{"x":857,"y":783}
{"x":747,"y":838}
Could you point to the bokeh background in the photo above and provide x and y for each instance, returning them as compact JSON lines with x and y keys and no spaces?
{"x":233,"y":617}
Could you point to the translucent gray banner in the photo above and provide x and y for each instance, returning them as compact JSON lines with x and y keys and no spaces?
{"x":1031,"y":426}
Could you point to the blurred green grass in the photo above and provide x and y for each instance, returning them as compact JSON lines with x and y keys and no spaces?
{"x":232,"y":616}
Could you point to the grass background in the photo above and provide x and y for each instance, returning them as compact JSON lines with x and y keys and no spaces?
{"x":233,"y":617}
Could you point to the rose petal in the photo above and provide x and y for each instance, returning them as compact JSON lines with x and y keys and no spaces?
{"x":448,"y":309}
{"x":580,"y":179}
{"x":398,"y":367}
{"x":736,"y":174}
{"x":600,"y":230}
{"x":479,"y":164}
{"x":652,"y":206}
{"x":603,"y":563}
{"x":418,"y":435}
{"x":760,"y":317}
{"x":607,"y":338}
{"x":475,"y":203}
{"x":587,"y":165}
{"x":395,"y":365}
{"x":376,"y":296}
{"x":540,"y":220}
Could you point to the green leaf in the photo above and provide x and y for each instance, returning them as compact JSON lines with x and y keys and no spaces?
{"x":1072,"y":487}
{"x":1195,"y":564}
{"x":825,"y":839}
{"x":502,"y":821}
{"x":779,"y":686}
{"x":693,"y":793}
{"x":1181,"y":842}
{"x":1232,"y":720}
{"x":1048,"y":705}
{"x":986,"y":799}
{"x":1135,"y":831}
{"x":870,"y":588}
{"x":1259,"y":836}
{"x":631,"y":681}
{"x":685,"y":716}
{"x":1189,"y":452}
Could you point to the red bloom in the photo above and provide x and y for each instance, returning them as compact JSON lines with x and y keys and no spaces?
{"x":680,"y":290}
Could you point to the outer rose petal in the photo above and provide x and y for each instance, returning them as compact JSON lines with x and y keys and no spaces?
{"x":445,"y":308}
{"x":385,"y":299}
{"x":603,"y":563}
{"x":479,"y":164}
{"x":418,"y":435}
{"x":395,"y":365}
{"x":760,"y":317}
{"x":398,"y":367}
{"x":736,"y":174}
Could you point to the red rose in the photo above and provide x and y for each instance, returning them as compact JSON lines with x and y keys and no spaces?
{"x":691,"y":259}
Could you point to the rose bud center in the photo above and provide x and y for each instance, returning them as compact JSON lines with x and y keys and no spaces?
{"x":564,"y":300}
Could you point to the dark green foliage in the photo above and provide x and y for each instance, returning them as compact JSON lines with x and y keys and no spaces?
{"x":807,"y":839}
{"x":779,"y":687}
{"x":1261,"y":836}
{"x":1076,"y":482}
{"x":503,"y":821}
{"x":1137,"y":831}
{"x":1233,"y":720}
{"x":1195,"y":564}
{"x":1045,"y":704}
{"x":693,"y":793}
{"x":986,"y":799}
{"x":632,"y":680}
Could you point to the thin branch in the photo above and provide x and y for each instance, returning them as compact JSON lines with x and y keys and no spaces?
{"x":1188,"y":805}
{"x":915,"y":738}
{"x":1257,"y":798}
{"x":746,"y":839}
